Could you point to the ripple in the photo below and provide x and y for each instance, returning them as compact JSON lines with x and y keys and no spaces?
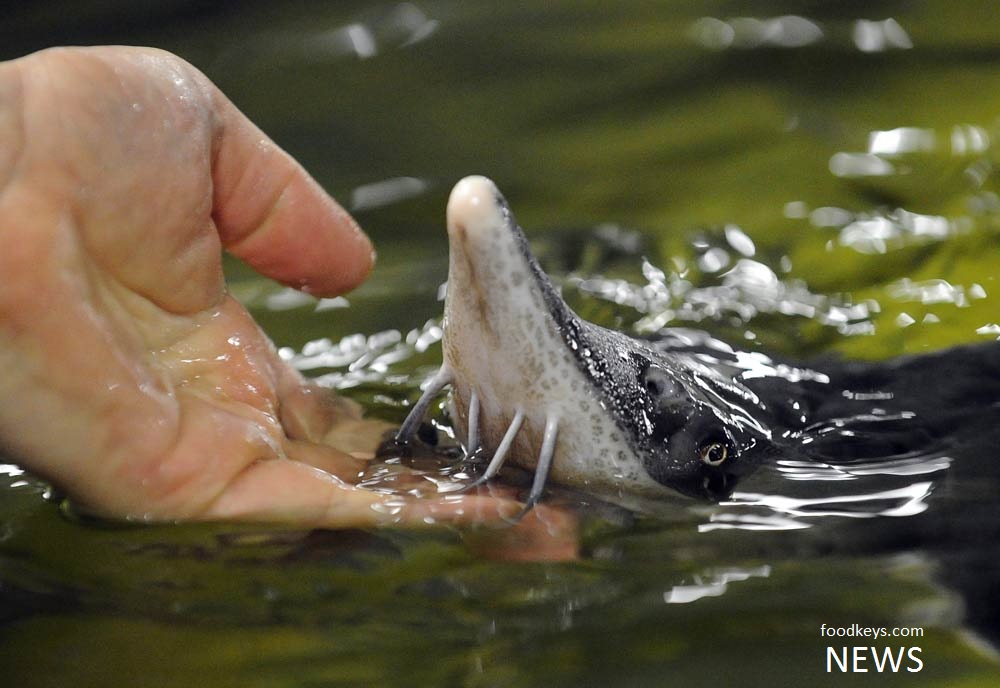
{"x":901,"y":502}
{"x":903,"y":466}
{"x":749,"y":289}
{"x":357,"y":358}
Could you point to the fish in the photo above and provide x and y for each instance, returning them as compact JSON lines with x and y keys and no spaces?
{"x":592,"y":408}
{"x":573,"y":402}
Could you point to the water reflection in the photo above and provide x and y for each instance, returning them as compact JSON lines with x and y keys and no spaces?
{"x":793,"y":31}
{"x":860,"y":165}
{"x":901,"y":140}
{"x":879,"y":231}
{"x":386,"y":28}
{"x":747,"y":290}
{"x":963,"y":140}
{"x":356,"y":39}
{"x":10,"y":469}
{"x":789,"y":31}
{"x":288,"y":299}
{"x":713,"y":583}
{"x":935,"y":291}
{"x":386,"y":192}
{"x":878,"y":36}
{"x":906,"y":150}
{"x":991,"y":328}
{"x":358,"y":358}
{"x":13,"y":477}
{"x":402,"y":25}
{"x":762,"y":522}
{"x":900,"y":466}
{"x":783,"y":512}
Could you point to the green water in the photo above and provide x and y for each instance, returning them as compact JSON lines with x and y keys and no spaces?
{"x":670,"y":120}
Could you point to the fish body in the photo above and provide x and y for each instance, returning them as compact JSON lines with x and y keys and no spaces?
{"x":587,"y":406}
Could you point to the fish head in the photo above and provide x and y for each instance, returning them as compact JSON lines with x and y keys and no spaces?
{"x":694,"y":429}
{"x":631,"y":417}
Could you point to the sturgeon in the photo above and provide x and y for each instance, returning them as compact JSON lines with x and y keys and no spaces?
{"x":533,"y":383}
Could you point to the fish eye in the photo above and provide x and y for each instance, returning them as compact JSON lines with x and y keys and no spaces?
{"x":713,"y":452}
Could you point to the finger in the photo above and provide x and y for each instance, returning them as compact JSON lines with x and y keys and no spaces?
{"x":319,"y":415}
{"x":284,"y":491}
{"x":308,"y":411}
{"x":273,"y":215}
{"x":328,"y":459}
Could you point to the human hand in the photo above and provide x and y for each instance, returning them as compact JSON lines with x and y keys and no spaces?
{"x":131,"y":379}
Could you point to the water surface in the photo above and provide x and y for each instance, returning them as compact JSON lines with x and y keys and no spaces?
{"x":804,"y":179}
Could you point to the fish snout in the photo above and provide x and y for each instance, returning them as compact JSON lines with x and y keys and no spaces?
{"x":475,"y":210}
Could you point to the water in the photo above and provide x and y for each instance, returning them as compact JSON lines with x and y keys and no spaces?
{"x":802,"y":179}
